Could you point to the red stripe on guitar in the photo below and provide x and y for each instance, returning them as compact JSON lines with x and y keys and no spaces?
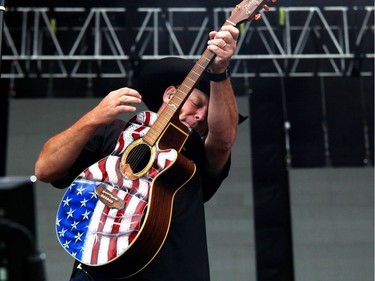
{"x":136,"y":220}
{"x":103,"y":169}
{"x":152,"y":173}
{"x":167,"y":163}
{"x":88,"y":174}
{"x":112,"y":248}
{"x":135,"y":185}
{"x":147,"y":118}
{"x":121,"y":143}
{"x":96,"y":245}
{"x":120,"y":179}
{"x":137,"y":132}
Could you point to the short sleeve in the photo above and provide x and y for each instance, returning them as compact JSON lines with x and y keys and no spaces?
{"x":99,"y":146}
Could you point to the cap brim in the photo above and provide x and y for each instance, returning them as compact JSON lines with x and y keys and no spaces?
{"x":158,"y":75}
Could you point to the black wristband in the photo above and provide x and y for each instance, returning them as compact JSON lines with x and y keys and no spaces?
{"x":217,"y":77}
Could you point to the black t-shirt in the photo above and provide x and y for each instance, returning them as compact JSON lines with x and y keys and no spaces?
{"x":183,"y":256}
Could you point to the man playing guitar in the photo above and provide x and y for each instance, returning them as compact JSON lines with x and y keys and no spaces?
{"x":210,"y":112}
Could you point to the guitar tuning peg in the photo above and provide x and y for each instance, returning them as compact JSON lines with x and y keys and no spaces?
{"x":266,"y":7}
{"x":258,"y":17}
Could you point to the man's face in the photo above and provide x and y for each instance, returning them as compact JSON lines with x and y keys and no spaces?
{"x":194,"y":112}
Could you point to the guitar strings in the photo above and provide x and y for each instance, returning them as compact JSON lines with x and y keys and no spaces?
{"x":137,"y":155}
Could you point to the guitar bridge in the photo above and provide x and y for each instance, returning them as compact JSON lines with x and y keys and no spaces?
{"x":109,"y":199}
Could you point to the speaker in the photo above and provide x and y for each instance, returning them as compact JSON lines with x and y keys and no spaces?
{"x":19,"y":259}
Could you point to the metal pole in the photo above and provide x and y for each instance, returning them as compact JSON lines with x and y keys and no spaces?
{"x":2,"y":10}
{"x":4,"y":102}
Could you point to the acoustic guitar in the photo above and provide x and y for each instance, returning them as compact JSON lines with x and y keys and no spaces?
{"x":116,"y":214}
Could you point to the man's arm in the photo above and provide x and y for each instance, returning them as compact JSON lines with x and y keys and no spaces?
{"x":222,"y":111}
{"x":61,"y":151}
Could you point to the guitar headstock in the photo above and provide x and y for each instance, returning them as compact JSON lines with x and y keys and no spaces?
{"x":248,"y":10}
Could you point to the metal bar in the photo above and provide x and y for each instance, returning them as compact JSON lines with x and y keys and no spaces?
{"x":147,"y":43}
{"x":98,"y":36}
{"x":113,"y":49}
{"x":174,"y":39}
{"x":329,"y":30}
{"x":272,"y":33}
{"x":268,"y":47}
{"x":112,"y":33}
{"x":51,"y":33}
{"x":24,"y":31}
{"x":81,"y":33}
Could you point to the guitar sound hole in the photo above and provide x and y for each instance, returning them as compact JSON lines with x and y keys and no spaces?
{"x":139,"y":157}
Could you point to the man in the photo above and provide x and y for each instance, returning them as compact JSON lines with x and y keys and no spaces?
{"x":210,"y":112}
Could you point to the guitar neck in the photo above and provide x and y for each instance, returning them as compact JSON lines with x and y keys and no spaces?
{"x":182,"y":93}
{"x":244,"y":11}
{"x":178,"y":99}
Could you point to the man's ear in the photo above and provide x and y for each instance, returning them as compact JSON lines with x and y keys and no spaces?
{"x":168,"y":93}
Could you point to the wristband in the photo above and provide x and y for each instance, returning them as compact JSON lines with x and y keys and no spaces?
{"x":217,"y":77}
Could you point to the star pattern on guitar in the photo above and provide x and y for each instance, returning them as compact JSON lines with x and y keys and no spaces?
{"x":74,"y":216}
{"x":92,"y":232}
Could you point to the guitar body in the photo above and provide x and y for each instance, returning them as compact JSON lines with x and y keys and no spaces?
{"x":116,"y":214}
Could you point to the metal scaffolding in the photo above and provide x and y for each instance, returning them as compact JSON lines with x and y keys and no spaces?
{"x":105,"y":42}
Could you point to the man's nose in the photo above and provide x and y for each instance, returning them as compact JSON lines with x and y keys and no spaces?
{"x":198,"y":116}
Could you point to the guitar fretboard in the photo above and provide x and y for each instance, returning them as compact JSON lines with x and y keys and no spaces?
{"x":178,"y":99}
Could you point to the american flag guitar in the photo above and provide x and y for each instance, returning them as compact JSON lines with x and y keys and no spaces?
{"x":102,"y":212}
{"x":116,"y":214}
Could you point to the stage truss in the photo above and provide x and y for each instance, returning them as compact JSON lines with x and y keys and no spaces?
{"x":109,"y":42}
